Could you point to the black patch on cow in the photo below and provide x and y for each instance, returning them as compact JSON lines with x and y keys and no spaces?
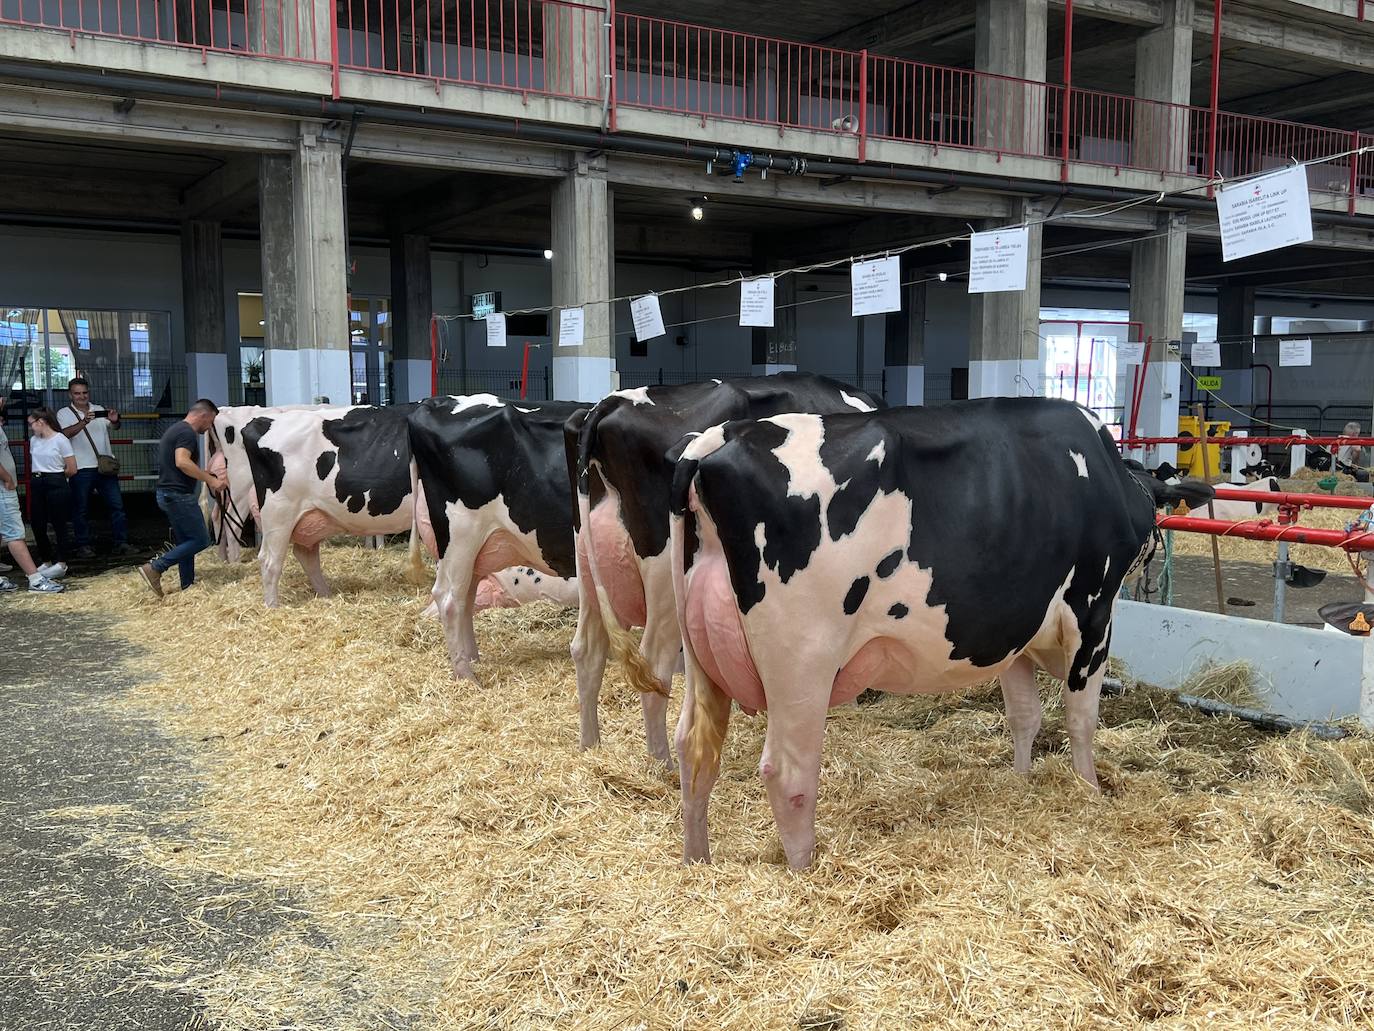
{"x":855,"y":596}
{"x":968,"y":471}
{"x":228,"y":434}
{"x":482,"y":453}
{"x":889,"y":564}
{"x":323,"y":464}
{"x":1259,"y":507}
{"x":268,"y":466}
{"x":898,"y":611}
{"x":373,"y":447}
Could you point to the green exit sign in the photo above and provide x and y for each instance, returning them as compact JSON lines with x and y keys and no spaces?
{"x":1209,"y":382}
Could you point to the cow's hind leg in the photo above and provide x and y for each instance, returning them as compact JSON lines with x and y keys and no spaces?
{"x":590,"y":647}
{"x":455,"y":587}
{"x":662,"y":649}
{"x":700,"y":736}
{"x":1080,"y":718}
{"x":309,"y":558}
{"x":791,"y":767}
{"x":1021,"y":696}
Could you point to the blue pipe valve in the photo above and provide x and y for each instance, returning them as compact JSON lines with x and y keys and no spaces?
{"x":740,"y":160}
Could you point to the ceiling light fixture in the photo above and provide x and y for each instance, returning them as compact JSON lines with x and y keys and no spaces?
{"x":548,"y":254}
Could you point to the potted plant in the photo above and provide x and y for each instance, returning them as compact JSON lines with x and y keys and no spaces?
{"x":254,"y":370}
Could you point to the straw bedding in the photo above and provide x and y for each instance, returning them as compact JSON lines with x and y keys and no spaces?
{"x":476,"y":871}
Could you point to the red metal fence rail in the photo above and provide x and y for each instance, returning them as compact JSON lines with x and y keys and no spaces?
{"x":560,"y":48}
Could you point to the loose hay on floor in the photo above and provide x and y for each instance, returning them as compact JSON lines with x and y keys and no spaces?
{"x":456,"y":846}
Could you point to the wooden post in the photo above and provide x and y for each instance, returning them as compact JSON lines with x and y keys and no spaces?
{"x":1211,"y":514}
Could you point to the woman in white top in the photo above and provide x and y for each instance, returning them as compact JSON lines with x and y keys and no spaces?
{"x":1349,"y":458}
{"x":51,"y":463}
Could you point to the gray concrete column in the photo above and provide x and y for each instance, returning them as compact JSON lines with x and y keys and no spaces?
{"x":304,"y":285}
{"x":1163,"y":72}
{"x":1158,"y":268}
{"x":202,"y":302}
{"x":1010,"y":40}
{"x":1006,"y":354}
{"x":774,"y":349}
{"x":904,"y":342}
{"x":412,"y":306}
{"x":575,"y":49}
{"x":584,"y":273}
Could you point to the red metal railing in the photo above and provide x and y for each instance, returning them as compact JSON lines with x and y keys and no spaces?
{"x":534,"y":46}
{"x":560,"y":48}
{"x":956,"y":107}
{"x":711,"y":73}
{"x":289,"y":29}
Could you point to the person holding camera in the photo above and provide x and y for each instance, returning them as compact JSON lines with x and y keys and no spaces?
{"x":88,"y":427}
{"x":51,"y":465}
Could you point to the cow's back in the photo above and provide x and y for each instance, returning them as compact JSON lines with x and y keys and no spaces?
{"x":477,"y":450}
{"x":991,"y":510}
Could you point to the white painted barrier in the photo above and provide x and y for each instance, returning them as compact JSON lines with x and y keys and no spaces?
{"x":1301,"y":673}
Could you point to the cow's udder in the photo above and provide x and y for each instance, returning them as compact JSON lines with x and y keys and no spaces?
{"x":717,"y":634}
{"x":617,"y":568}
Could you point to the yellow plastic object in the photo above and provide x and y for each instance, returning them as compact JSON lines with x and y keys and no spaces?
{"x":1359,"y":625}
{"x":1190,"y":455}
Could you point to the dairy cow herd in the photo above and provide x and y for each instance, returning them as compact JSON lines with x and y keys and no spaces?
{"x":785,"y":541}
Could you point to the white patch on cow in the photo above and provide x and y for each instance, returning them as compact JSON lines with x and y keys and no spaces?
{"x":636,"y":395}
{"x":800,"y":454}
{"x":474,"y":401}
{"x":855,"y":402}
{"x":878,"y":453}
{"x":1106,"y":568}
{"x":527,"y":411}
{"x":1081,"y":462}
{"x":760,"y":538}
{"x":705,"y":442}
{"x":717,"y":382}
{"x":1092,"y":418}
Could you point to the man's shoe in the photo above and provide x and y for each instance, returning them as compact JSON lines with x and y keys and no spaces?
{"x":83,"y":553}
{"x":123,"y":549}
{"x":43,"y":585}
{"x":151,"y":577}
{"x":53,"y":570}
{"x":6,"y":584}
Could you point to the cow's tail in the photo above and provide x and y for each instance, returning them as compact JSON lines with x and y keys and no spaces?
{"x":415,"y":562}
{"x":1193,"y":492}
{"x":704,"y":737}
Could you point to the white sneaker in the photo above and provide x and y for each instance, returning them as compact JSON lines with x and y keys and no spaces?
{"x":6,"y":584}
{"x":45,"y":586}
{"x":5,"y":568}
{"x":53,"y":570}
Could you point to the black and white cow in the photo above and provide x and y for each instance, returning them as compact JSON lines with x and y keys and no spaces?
{"x":623,"y":484}
{"x":910,"y":550}
{"x":318,"y":473}
{"x":493,"y":492}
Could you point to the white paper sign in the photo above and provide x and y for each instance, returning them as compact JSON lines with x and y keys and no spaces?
{"x":875,"y":286}
{"x":496,"y":329}
{"x":647,"y":317}
{"x":1207,"y":354}
{"x":1295,"y":352}
{"x":1264,"y":213}
{"x":756,"y":301}
{"x":997,"y":260}
{"x":570,"y":327}
{"x":1131,"y":352}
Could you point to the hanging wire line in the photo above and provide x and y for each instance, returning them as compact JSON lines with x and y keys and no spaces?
{"x":1103,"y":210}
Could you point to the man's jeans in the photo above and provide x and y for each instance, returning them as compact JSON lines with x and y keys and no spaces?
{"x":188,"y":531}
{"x":107,"y":487}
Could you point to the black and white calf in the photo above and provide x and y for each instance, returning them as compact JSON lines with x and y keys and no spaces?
{"x":493,"y":492}
{"x":318,"y":473}
{"x":910,"y":550}
{"x":624,"y":478}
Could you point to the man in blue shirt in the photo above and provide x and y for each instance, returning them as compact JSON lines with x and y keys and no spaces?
{"x":178,"y":470}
